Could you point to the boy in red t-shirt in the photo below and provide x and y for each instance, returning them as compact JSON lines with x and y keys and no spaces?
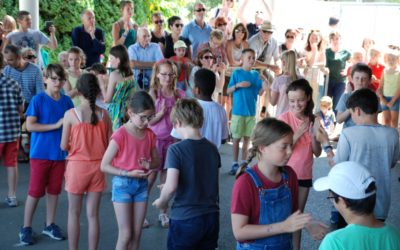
{"x":183,"y":64}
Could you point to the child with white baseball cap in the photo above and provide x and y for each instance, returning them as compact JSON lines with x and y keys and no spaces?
{"x":353,"y":192}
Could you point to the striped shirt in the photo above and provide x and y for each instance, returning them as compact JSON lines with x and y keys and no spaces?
{"x":30,"y":79}
{"x":10,"y":100}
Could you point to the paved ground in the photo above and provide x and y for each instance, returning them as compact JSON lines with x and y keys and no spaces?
{"x":154,"y":238}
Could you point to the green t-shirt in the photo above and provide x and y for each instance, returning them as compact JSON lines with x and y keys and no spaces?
{"x":336,"y":62}
{"x":356,"y":237}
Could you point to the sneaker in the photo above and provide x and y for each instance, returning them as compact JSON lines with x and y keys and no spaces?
{"x":146,"y":223}
{"x":334,"y":217}
{"x":53,"y":231}
{"x":164,"y":220}
{"x":11,"y":201}
{"x":234,"y":169}
{"x":26,"y":236}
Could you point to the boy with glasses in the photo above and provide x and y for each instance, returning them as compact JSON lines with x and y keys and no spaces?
{"x":352,"y":189}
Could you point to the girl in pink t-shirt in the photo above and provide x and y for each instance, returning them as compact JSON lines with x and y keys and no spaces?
{"x":164,"y":93}
{"x":305,"y":125}
{"x":130,"y":156}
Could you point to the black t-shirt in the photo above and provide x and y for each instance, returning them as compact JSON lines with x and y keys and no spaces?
{"x":198,"y":163}
{"x":157,"y":40}
{"x":169,"y":46}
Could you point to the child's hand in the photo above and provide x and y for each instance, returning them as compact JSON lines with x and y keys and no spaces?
{"x":160,"y":205}
{"x":296,"y":221}
{"x":389,"y":104}
{"x":317,"y":230}
{"x":301,"y":130}
{"x":322,"y":136}
{"x":141,"y":174}
{"x":244,"y":84}
{"x":330,"y":156}
{"x":144,"y":163}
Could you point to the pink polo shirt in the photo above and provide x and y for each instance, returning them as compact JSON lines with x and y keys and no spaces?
{"x":302,"y":155}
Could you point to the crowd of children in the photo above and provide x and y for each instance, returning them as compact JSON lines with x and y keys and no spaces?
{"x":85,"y":123}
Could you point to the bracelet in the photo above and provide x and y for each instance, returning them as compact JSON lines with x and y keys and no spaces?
{"x":123,"y":173}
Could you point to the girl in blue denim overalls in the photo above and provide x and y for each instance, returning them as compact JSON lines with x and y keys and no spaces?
{"x":265,"y":197}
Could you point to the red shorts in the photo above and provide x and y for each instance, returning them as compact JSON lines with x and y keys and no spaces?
{"x":9,"y":153}
{"x":46,"y":176}
{"x":84,"y":176}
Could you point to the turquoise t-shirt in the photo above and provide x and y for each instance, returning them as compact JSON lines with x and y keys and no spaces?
{"x":361,"y":237}
{"x":130,"y":38}
{"x":245,"y":99}
{"x":336,"y":62}
{"x":46,"y":145}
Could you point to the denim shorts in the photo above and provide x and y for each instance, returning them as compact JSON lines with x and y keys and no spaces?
{"x":395,"y":106}
{"x":129,"y":189}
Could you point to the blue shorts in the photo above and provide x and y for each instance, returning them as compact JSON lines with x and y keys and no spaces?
{"x":395,"y":107}
{"x":200,"y":232}
{"x":128,"y":189}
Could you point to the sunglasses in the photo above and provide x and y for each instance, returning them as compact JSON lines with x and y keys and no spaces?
{"x":167,"y":74}
{"x":30,"y":57}
{"x":178,"y":25}
{"x":239,"y":31}
{"x":290,"y":37}
{"x":200,"y":10}
{"x":159,"y":21}
{"x":222,"y":24}
{"x":267,"y":32}
{"x":208,"y":57}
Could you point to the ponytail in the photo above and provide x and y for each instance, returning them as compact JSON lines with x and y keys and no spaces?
{"x":242,"y":168}
{"x":88,"y":86}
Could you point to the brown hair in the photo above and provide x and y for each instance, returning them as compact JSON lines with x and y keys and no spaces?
{"x":188,"y":112}
{"x":78,"y":51}
{"x":266,"y":132}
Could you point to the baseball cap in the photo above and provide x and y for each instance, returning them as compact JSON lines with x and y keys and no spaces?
{"x":180,"y":44}
{"x":267,"y":26}
{"x":348,"y":179}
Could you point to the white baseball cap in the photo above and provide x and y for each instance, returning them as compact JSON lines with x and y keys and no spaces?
{"x":348,"y":179}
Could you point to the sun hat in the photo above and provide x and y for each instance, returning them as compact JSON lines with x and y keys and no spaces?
{"x":348,"y":179}
{"x":267,"y":26}
{"x":180,"y":44}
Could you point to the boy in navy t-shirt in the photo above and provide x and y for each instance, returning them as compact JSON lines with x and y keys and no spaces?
{"x":47,"y":161}
{"x":192,"y":176}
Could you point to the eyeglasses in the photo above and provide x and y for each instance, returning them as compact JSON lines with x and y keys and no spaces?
{"x":54,"y":79}
{"x":167,"y":74}
{"x":208,"y":57}
{"x":222,"y":24}
{"x":239,"y":31}
{"x":159,"y":21}
{"x":144,"y":118}
{"x":30,"y":57}
{"x":290,"y":37}
{"x":200,"y":10}
{"x":178,"y":25}
{"x":267,"y":31}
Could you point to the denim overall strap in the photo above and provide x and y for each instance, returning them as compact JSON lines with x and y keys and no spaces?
{"x":275,"y":206}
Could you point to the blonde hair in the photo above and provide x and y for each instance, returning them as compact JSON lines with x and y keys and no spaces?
{"x":188,"y":112}
{"x":290,"y":66}
{"x":155,"y":82}
{"x":374,"y":52}
{"x":326,"y":100}
{"x":218,"y":34}
{"x":266,"y":132}
{"x":9,"y":23}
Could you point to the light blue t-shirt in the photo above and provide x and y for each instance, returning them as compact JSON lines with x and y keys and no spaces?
{"x":46,"y":145}
{"x":377,"y":148}
{"x":151,"y":53}
{"x":30,"y":39}
{"x":245,"y":99}
{"x":341,"y":107}
{"x":196,"y":34}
